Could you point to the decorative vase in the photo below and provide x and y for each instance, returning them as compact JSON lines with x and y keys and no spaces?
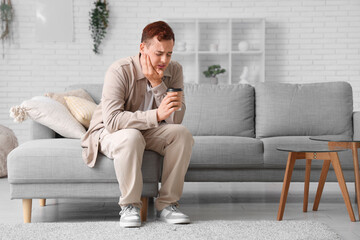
{"x":243,"y":46}
{"x":244,"y":75}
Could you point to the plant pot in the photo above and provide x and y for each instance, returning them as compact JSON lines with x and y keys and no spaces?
{"x":213,"y":80}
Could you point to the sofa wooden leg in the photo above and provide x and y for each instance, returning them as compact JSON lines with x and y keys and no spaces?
{"x":27,"y":204}
{"x":42,"y":202}
{"x":144,"y":208}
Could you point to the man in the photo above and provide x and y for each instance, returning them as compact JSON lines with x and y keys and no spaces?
{"x":135,"y":113}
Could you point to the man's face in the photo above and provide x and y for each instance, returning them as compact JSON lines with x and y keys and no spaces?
{"x":159,"y":52}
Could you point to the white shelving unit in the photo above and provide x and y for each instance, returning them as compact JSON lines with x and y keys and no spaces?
{"x":224,"y":34}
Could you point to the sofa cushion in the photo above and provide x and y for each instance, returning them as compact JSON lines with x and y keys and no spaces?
{"x":303,"y":109}
{"x":274,"y":158}
{"x":219,"y":110}
{"x":81,"y":109}
{"x":226,"y":152}
{"x":59,"y":161}
{"x":50,"y":113}
{"x":228,"y":112}
{"x":79,"y":92}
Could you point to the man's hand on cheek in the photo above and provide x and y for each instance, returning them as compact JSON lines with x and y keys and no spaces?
{"x":153,"y":75}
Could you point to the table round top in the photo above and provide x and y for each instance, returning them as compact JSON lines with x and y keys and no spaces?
{"x":335,"y":138}
{"x":309,"y":148}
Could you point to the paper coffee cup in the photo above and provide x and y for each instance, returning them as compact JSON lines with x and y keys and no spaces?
{"x":175,"y":90}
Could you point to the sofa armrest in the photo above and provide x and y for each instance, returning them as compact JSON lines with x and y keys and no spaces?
{"x":356,"y":124}
{"x":39,"y":131}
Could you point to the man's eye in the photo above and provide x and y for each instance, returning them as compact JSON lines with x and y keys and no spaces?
{"x":169,"y":54}
{"x":158,"y":54}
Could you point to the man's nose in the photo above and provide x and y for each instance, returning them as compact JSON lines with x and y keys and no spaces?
{"x":163,"y":58}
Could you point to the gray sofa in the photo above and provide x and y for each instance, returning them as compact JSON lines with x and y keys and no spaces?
{"x":236,"y":130}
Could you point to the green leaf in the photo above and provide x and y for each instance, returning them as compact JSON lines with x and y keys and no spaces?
{"x":213,"y":71}
{"x":99,"y":20}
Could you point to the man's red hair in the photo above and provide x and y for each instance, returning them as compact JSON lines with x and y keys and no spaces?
{"x":160,"y":29}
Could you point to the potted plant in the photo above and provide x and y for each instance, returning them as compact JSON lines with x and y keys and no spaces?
{"x":6,"y":16}
{"x":212,"y":72}
{"x":99,"y":19}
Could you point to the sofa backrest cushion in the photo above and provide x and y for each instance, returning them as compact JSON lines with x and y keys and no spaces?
{"x":284,"y":109}
{"x":211,"y":110}
{"x":219,"y":110}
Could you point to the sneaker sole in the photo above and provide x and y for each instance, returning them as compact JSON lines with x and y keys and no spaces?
{"x":176,"y":221}
{"x":130,"y":224}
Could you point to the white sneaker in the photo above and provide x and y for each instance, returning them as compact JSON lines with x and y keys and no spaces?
{"x":130,"y":217}
{"x":171,"y":214}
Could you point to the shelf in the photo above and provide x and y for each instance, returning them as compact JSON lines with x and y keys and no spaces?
{"x":250,"y":52}
{"x":213,"y":52}
{"x":204,"y":35}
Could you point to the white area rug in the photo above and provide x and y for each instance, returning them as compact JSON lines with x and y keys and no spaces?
{"x":158,"y":230}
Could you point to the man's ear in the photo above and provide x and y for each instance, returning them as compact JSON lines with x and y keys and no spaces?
{"x":142,"y":46}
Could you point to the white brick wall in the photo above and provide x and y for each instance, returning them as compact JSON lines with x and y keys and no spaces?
{"x":306,"y":41}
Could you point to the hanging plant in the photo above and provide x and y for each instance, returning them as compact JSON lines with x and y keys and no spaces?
{"x":99,"y":19}
{"x":6,"y":16}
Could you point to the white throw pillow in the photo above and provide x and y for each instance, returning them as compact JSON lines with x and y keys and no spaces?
{"x":50,"y":113}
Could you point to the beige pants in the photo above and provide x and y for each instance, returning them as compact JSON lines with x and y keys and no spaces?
{"x":126,"y":147}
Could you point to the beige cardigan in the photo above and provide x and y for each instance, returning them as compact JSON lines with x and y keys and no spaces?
{"x":123,"y":92}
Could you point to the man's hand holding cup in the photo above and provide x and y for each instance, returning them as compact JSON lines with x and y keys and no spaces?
{"x":171,"y":103}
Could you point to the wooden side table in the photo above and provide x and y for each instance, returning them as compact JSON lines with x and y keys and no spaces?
{"x":348,"y":143}
{"x":313,"y":152}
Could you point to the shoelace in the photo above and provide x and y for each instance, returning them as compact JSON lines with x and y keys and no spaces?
{"x":129,"y":209}
{"x":173,"y":208}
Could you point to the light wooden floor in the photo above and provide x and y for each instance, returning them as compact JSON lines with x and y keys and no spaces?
{"x":204,"y":201}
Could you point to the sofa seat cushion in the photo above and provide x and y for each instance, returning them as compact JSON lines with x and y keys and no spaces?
{"x":226,"y":152}
{"x":59,"y":161}
{"x":274,"y":158}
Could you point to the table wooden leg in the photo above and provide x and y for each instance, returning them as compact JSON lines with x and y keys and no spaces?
{"x":286,"y":184}
{"x":340,"y":177}
{"x":356,"y":171}
{"x":306,"y":184}
{"x":324,"y":172}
